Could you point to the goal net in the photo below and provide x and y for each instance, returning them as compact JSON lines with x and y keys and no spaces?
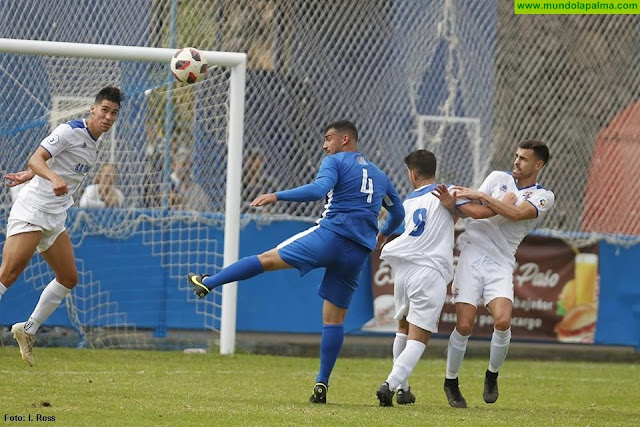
{"x":169,"y":155}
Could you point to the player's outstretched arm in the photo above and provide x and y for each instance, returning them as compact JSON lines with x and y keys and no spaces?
{"x":392,"y":203}
{"x":264,"y":200}
{"x":475,"y":211}
{"x":325,"y":180}
{"x":16,"y":178}
{"x":38,"y":164}
{"x":508,"y":210}
{"x":447,"y":199}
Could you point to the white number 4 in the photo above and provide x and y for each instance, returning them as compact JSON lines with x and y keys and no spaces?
{"x":367,"y":186}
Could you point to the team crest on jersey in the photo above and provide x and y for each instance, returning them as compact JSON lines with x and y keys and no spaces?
{"x":361,"y":160}
{"x":53,"y":139}
{"x":543,"y":202}
{"x":527,"y":195}
{"x":504,"y":187}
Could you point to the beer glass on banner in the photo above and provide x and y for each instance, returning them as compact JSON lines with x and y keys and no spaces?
{"x":586,"y":273}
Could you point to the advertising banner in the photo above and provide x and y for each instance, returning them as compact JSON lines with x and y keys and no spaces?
{"x":555,"y":287}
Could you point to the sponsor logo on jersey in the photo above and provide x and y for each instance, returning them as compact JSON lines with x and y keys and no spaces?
{"x":53,"y":139}
{"x":527,"y":195}
{"x":84,"y":145}
{"x":543,"y":202}
{"x":82,"y":168}
{"x":504,"y":187}
{"x":361,"y":160}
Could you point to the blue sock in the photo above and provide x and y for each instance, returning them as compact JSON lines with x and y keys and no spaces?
{"x":332,"y":338}
{"x":244,"y":268}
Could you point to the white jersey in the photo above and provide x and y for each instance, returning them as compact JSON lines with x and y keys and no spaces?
{"x":499,"y":237}
{"x":427,"y":238}
{"x":73,"y":152}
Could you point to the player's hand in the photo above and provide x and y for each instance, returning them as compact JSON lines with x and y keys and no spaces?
{"x":264,"y":200}
{"x":510,"y":198}
{"x":467,"y":193}
{"x":59,"y":186}
{"x":17,"y":178}
{"x":447,"y":199}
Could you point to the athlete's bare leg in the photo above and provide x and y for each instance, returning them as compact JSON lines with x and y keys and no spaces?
{"x":18,"y":250}
{"x":271,"y":260}
{"x":62,"y":261}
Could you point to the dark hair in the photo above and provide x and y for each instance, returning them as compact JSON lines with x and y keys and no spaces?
{"x":344,"y":126}
{"x":540,"y":149}
{"x":423,"y":162}
{"x":109,"y":93}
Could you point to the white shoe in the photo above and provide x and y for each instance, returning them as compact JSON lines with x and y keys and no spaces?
{"x":25,"y":341}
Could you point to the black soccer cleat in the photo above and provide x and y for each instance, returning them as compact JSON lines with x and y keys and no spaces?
{"x":200,"y":289}
{"x":385,"y":395}
{"x":405,"y":397}
{"x":452,"y":391}
{"x":490,"y":394}
{"x":319,"y":393}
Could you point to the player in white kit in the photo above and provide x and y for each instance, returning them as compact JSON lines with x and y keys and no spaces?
{"x":38,"y":215}
{"x":484,"y":273}
{"x":422,"y":262}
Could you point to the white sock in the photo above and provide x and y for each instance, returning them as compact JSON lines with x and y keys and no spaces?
{"x":499,"y":346}
{"x":404,"y":364}
{"x":455,"y":353}
{"x":3,"y":289}
{"x":399,"y":343}
{"x":50,"y":299}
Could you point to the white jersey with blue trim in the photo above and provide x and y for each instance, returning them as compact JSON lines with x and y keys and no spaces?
{"x":427,"y":238}
{"x":498,"y":236}
{"x":73,"y":152}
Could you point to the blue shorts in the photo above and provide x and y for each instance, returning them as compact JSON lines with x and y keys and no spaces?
{"x":319,"y":247}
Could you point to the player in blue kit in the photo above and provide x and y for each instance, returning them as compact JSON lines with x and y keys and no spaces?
{"x":341,"y":241}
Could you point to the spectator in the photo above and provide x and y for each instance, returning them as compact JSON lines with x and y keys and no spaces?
{"x":186,"y":194}
{"x":254,"y":180}
{"x":103,"y":193}
{"x":152,"y":186}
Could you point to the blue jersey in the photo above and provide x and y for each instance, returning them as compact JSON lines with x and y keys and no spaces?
{"x":356,"y":190}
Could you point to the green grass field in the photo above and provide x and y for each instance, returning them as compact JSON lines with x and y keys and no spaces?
{"x":117,"y":387}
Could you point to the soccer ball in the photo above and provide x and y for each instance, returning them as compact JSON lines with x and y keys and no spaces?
{"x":188,"y":65}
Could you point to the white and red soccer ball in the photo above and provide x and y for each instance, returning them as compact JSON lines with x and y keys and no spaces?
{"x":188,"y":65}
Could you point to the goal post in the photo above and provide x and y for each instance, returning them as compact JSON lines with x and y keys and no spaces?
{"x":233,"y":107}
{"x":232,"y":209}
{"x":457,"y":144}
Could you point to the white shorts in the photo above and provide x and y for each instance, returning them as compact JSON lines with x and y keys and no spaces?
{"x":419,"y":293}
{"x":479,"y":280}
{"x":23,"y":219}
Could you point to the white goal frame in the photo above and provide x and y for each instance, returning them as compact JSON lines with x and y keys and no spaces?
{"x":236,"y":61}
{"x":474,"y":135}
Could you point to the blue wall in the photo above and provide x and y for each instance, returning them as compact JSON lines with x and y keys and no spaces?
{"x":128,"y":275}
{"x":619,"y":308}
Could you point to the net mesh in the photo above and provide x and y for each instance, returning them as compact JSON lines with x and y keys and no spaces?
{"x":386,"y":66}
{"x":167,"y":203}
{"x":465,"y":79}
